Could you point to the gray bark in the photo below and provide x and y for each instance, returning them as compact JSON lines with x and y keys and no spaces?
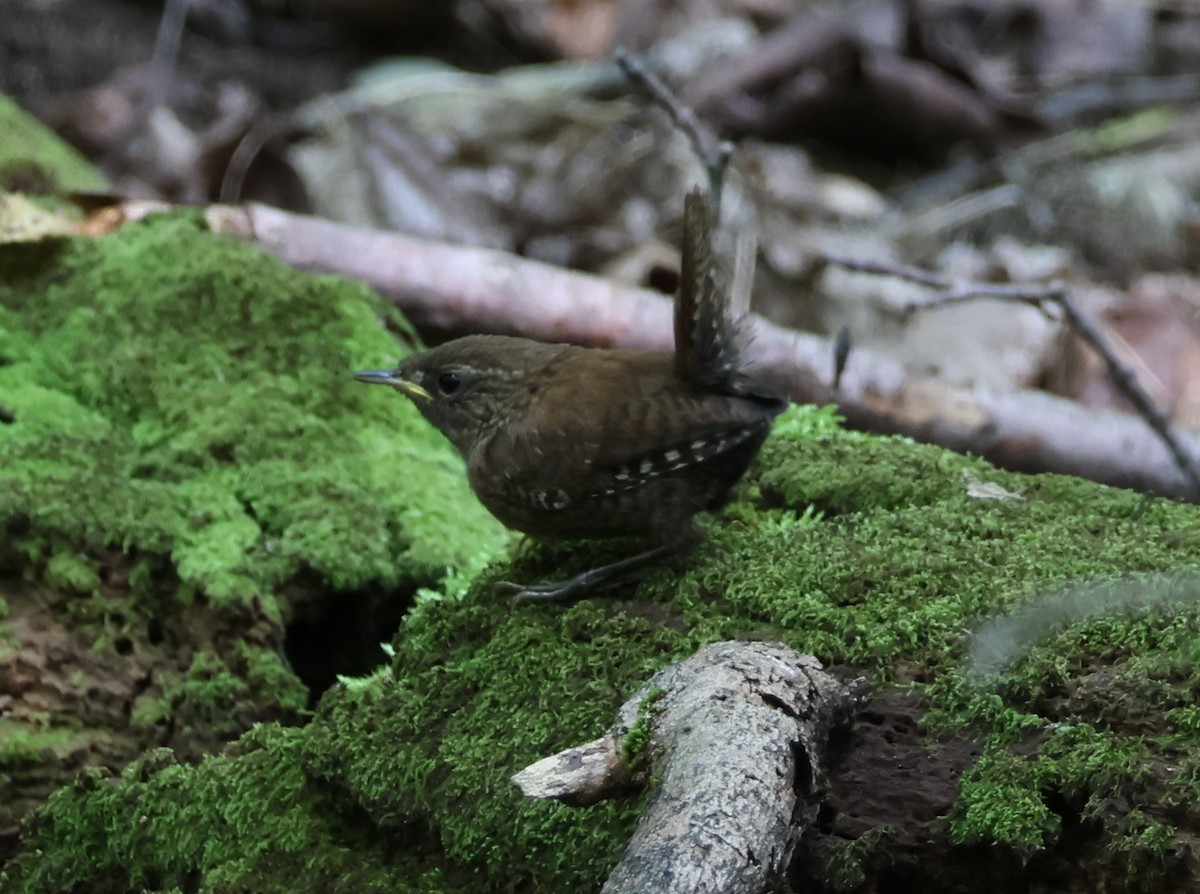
{"x":736,"y":740}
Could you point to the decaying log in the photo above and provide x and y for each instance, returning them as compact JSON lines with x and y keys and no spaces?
{"x":735,"y":737}
{"x":456,"y":287}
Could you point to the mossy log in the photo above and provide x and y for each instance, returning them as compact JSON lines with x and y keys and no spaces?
{"x":204,"y":519}
{"x":187,"y":474}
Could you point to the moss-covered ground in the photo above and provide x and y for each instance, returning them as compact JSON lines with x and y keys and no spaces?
{"x":214,"y":446}
{"x":187,"y":472}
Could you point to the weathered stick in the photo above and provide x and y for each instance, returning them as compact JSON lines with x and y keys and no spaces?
{"x":736,"y":735}
{"x":482,"y":290}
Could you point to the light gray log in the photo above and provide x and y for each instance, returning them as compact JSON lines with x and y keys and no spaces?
{"x":735,"y":739}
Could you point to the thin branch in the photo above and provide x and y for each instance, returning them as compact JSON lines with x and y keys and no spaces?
{"x":1127,"y":382}
{"x":166,"y":50}
{"x":1042,"y":296}
{"x":713,"y":152}
{"x":908,"y":272}
{"x":841,"y":354}
{"x":952,"y":291}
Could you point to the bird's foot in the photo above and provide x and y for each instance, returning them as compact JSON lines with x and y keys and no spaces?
{"x":581,"y":586}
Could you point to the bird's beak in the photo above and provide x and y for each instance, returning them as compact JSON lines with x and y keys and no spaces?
{"x":389,"y":377}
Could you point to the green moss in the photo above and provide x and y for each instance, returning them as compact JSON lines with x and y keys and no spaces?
{"x":211,"y":824}
{"x":1100,"y":774}
{"x":70,"y":571}
{"x":179,"y":395}
{"x":211,"y":696}
{"x":865,"y":551}
{"x":635,"y":743}
{"x":24,"y":741}
{"x":33,"y":159}
{"x":1146,"y":851}
{"x":1001,"y":802}
{"x":186,"y":465}
{"x":843,"y":864}
{"x":506,"y":688}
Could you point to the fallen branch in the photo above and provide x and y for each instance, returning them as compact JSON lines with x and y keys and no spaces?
{"x":713,"y":152}
{"x":459,"y":288}
{"x":736,"y":734}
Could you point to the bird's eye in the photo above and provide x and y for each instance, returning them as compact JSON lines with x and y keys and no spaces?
{"x":448,"y":383}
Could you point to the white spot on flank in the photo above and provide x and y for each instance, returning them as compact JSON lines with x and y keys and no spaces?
{"x":646,"y":467}
{"x":671,"y":456}
{"x":696,"y":445}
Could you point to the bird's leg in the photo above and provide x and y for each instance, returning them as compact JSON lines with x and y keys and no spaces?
{"x":587,"y":583}
{"x":684,"y":538}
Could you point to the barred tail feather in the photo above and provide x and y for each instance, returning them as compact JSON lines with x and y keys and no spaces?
{"x":708,"y":313}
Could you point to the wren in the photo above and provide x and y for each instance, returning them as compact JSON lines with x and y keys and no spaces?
{"x":562,"y":441}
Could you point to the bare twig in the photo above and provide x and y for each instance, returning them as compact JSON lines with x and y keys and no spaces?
{"x":713,"y":152}
{"x":1127,"y":382}
{"x":1043,"y":296}
{"x":954,"y":292}
{"x":166,"y":50}
{"x":841,"y":353}
{"x":247,"y":150}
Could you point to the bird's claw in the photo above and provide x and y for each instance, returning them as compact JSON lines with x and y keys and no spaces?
{"x":555,"y":591}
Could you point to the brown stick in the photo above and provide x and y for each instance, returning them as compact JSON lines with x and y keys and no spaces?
{"x":713,"y":152}
{"x":456,"y":287}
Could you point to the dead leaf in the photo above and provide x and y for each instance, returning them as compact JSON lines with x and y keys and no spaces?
{"x":978,"y":489}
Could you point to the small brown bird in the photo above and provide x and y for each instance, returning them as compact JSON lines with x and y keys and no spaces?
{"x":569,"y":442}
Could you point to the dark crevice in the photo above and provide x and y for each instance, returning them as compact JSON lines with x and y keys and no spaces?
{"x":804,"y":783}
{"x":774,"y":701}
{"x":342,"y":635}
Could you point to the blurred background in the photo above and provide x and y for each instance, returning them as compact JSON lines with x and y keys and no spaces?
{"x":1006,"y":141}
